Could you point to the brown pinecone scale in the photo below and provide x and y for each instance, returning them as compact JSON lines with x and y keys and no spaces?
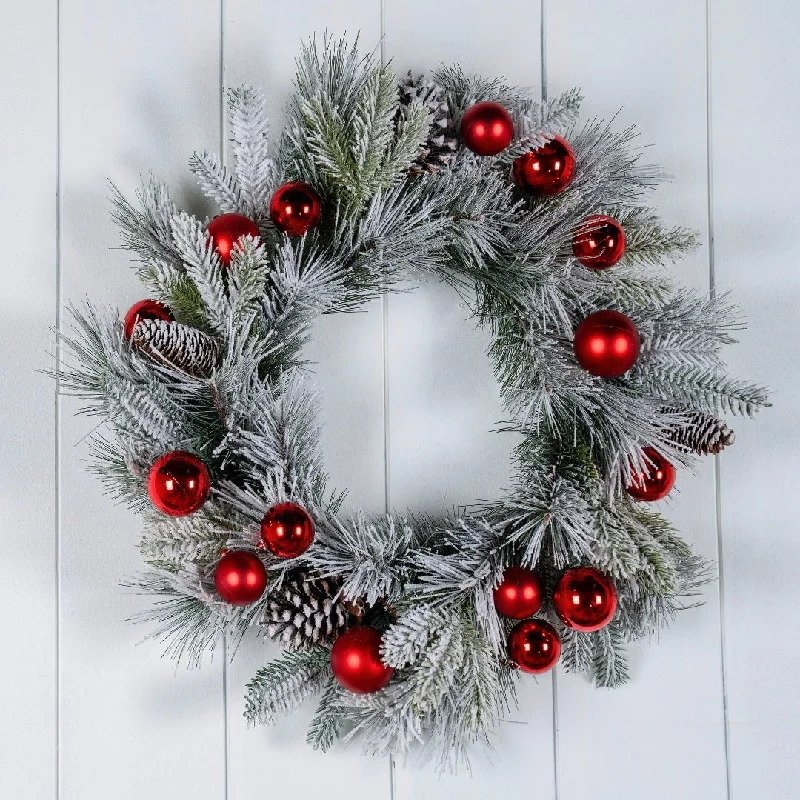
{"x":306,"y":611}
{"x":179,"y":346}
{"x":442,"y":143}
{"x":701,"y":433}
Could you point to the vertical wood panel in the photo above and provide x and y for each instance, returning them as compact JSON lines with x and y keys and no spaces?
{"x":28,"y":98}
{"x":755,"y":78}
{"x":443,"y":398}
{"x":140,"y":92}
{"x":346,"y":351}
{"x":662,"y":735}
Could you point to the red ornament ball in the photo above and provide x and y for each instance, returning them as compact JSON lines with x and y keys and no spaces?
{"x":534,"y":646}
{"x":240,"y":577}
{"x":145,"y":309}
{"x":295,"y":208}
{"x":606,"y":344}
{"x":599,"y":242}
{"x":657,"y":480}
{"x":226,"y":229}
{"x":287,"y":530}
{"x":547,"y":170}
{"x":178,"y":483}
{"x":519,"y":594}
{"x":585,"y":599}
{"x":356,"y":661}
{"x":487,"y":128}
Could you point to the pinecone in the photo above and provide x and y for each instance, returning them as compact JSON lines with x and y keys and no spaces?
{"x":701,"y":433}
{"x":176,"y":345}
{"x":442,"y":144}
{"x":308,"y":611}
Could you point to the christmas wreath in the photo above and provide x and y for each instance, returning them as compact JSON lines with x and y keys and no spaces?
{"x":411,"y":630}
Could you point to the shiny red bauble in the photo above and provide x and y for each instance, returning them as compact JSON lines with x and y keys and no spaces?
{"x":226,"y":230}
{"x":585,"y":599}
{"x":145,"y":309}
{"x":356,"y":661}
{"x":534,"y":646}
{"x":657,"y":479}
{"x":295,"y":208}
{"x":287,"y":530}
{"x":487,"y":128}
{"x":599,"y":242}
{"x":178,"y":483}
{"x":240,"y":577}
{"x":519,"y":594}
{"x":547,"y":170}
{"x":606,"y":344}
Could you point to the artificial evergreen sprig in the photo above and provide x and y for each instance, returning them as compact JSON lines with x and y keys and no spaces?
{"x":227,"y":381}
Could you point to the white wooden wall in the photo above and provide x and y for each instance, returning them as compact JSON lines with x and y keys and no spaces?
{"x":92,"y":91}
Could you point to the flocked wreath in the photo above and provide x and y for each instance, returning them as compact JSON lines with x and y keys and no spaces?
{"x":409,"y":629}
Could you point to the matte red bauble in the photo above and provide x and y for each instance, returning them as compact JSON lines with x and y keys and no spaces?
{"x":240,"y":577}
{"x":295,"y":208}
{"x":519,"y":594}
{"x":547,"y":170}
{"x":356,"y":661}
{"x":178,"y":483}
{"x":534,"y":646}
{"x":287,"y":530}
{"x":606,"y":344}
{"x":656,"y":481}
{"x":585,"y":599}
{"x":145,"y":309}
{"x":599,"y":242}
{"x":226,"y":230}
{"x":487,"y":129}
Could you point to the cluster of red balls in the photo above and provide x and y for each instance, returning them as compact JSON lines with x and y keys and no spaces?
{"x":584,"y":598}
{"x":179,"y":484}
{"x":295,"y":209}
{"x":606,"y":343}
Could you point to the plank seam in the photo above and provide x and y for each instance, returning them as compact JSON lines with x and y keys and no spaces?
{"x":226,"y":733}
{"x":57,"y":412}
{"x":712,"y":284}
{"x":385,"y":387}
{"x":543,"y":98}
{"x":543,"y":48}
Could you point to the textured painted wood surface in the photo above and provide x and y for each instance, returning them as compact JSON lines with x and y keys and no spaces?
{"x":95,"y":92}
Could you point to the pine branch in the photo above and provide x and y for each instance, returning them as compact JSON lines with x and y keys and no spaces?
{"x":703,"y":388}
{"x":326,"y":726}
{"x":186,"y":623}
{"x":285,"y":683}
{"x":203,"y":266}
{"x":370,"y":555}
{"x":171,"y":542}
{"x":147,"y":231}
{"x":610,"y":665}
{"x":248,"y":273}
{"x":577,"y":651}
{"x":217,"y":183}
{"x":256,"y":171}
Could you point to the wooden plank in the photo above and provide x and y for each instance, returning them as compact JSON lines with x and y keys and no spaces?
{"x":754,"y":78}
{"x":27,"y":398}
{"x":662,"y":735}
{"x":140,"y":92}
{"x":443,"y":399}
{"x":347,"y":354}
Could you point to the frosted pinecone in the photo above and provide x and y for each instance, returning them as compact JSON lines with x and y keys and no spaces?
{"x":701,"y":433}
{"x":307,"y":611}
{"x":178,"y":346}
{"x":442,"y":143}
